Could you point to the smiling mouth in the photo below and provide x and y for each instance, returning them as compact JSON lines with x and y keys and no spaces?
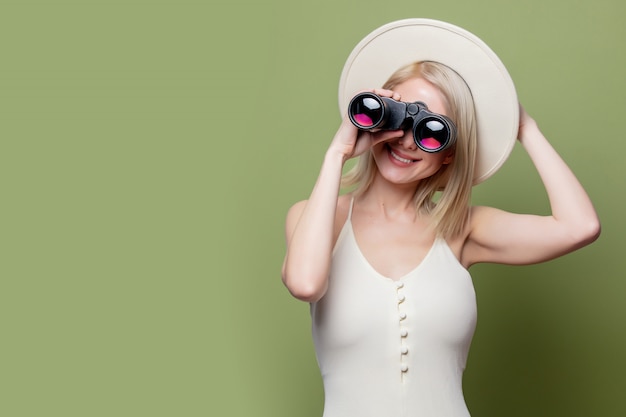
{"x":401,"y":159}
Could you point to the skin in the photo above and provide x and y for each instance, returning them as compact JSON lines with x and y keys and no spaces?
{"x":394,"y":238}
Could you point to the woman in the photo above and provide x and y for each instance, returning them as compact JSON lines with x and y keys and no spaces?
{"x":385,"y":266}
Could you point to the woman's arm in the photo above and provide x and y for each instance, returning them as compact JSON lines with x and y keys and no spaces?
{"x":309,"y":233}
{"x":310,"y":225}
{"x":502,"y":237}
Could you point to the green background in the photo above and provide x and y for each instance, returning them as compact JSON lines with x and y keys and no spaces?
{"x":149,"y":151}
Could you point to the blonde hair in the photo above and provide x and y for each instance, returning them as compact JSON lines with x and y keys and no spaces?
{"x":454,"y":180}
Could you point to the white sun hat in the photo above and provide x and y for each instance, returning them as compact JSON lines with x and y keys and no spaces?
{"x":404,"y":42}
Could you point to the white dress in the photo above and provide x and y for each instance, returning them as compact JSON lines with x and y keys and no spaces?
{"x":394,"y":348}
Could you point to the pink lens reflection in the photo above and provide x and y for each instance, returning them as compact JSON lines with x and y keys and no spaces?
{"x":363,"y":119}
{"x":430,"y":143}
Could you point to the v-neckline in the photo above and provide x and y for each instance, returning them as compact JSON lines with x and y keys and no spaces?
{"x":404,"y":277}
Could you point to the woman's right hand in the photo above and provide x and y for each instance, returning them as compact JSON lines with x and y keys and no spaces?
{"x":350,"y":142}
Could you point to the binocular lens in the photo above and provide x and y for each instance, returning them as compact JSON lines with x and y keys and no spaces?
{"x":366,"y":111}
{"x":431,"y":134}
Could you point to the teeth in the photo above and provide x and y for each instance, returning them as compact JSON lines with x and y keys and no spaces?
{"x":395,"y":156}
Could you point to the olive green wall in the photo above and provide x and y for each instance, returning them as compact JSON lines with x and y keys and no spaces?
{"x":150,"y":149}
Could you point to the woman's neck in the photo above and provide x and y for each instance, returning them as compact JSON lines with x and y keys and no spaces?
{"x":389,"y":200}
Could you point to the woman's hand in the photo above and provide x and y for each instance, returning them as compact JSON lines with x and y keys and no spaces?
{"x":350,"y":142}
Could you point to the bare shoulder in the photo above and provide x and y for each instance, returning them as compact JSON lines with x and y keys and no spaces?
{"x":477,"y":211}
{"x":293,"y":216}
{"x":341,"y":215}
{"x":479,"y":214}
{"x":481,"y":218}
{"x":296,"y":209}
{"x":471,"y":243}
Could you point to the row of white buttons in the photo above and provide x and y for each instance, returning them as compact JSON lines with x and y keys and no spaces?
{"x":404,"y":350}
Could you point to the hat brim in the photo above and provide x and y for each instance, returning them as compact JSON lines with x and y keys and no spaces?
{"x":404,"y":42}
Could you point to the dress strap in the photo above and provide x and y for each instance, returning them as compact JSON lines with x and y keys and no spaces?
{"x":350,"y":210}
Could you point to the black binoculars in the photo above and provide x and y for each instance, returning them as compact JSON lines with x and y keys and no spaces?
{"x":431,"y":132}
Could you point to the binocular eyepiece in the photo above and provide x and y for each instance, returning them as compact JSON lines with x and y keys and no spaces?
{"x":431,"y":132}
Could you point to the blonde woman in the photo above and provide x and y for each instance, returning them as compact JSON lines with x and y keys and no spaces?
{"x":385,"y":265}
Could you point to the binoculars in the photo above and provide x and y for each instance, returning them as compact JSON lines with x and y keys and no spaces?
{"x":431,"y":132}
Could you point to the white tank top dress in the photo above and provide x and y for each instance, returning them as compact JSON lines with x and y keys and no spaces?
{"x":394,"y":348}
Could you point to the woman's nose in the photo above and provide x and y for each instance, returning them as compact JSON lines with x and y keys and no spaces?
{"x":407,"y":141}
